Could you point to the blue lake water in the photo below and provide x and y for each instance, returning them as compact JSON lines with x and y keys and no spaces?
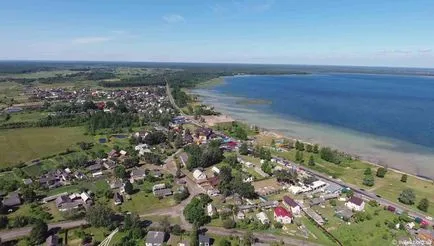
{"x":393,"y":113}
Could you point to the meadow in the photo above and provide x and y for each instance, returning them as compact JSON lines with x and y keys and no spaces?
{"x":22,"y":145}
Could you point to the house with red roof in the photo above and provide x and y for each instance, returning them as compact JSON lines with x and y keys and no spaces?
{"x":291,"y":205}
{"x":355,"y":203}
{"x":282,"y":215}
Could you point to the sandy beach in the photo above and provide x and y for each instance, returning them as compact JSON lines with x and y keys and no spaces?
{"x":395,"y":154}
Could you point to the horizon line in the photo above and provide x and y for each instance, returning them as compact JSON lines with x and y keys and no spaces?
{"x":222,"y":63}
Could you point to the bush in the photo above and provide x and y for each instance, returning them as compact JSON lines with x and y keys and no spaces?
{"x":228,"y":224}
{"x":407,"y":196}
{"x":381,"y":172}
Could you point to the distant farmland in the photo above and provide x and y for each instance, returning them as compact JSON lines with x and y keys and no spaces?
{"x":32,"y":143}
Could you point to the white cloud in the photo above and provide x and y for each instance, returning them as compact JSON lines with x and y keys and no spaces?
{"x":90,"y":40}
{"x":173,"y":18}
{"x":425,"y":50}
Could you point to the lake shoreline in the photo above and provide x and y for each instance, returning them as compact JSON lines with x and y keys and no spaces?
{"x":399,"y":168}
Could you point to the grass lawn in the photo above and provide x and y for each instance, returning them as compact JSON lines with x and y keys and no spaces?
{"x":21,"y":145}
{"x":390,"y":187}
{"x":368,"y":232}
{"x":97,"y":233}
{"x":26,"y":116}
{"x":37,"y":170}
{"x":141,"y":203}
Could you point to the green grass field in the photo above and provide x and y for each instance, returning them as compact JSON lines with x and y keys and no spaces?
{"x":21,"y":145}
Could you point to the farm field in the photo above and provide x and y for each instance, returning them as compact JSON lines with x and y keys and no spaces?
{"x":21,"y":145}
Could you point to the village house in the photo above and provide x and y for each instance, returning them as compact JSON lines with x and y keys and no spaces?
{"x":115,"y":183}
{"x":215,"y":169}
{"x":355,"y":203}
{"x":199,"y":175}
{"x":263,"y":218}
{"x":113,"y":154}
{"x":73,"y":201}
{"x":79,"y":175}
{"x":118,"y":199}
{"x":316,"y":201}
{"x":160,"y":190}
{"x":183,"y":157}
{"x":241,"y":215}
{"x":157,"y":173}
{"x":204,"y":240}
{"x":333,"y":189}
{"x":137,"y":174}
{"x":203,"y":134}
{"x":52,"y":240}
{"x":210,"y":210}
{"x":268,"y":204}
{"x":291,"y":205}
{"x":95,"y":167}
{"x":282,"y":215}
{"x":13,"y":200}
{"x":155,"y":238}
{"x":140,"y":135}
{"x":142,"y":148}
{"x":343,"y":213}
{"x":109,"y":164}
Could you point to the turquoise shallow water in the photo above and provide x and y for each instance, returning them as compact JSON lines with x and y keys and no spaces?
{"x":382,"y":118}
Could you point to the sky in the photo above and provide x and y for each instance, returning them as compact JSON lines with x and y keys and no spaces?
{"x":337,"y":32}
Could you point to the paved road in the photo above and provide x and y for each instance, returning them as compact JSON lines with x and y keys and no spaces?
{"x":9,"y":235}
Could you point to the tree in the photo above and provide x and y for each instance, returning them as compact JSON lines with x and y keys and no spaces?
{"x":194,"y":237}
{"x":165,"y":224}
{"x":244,"y":149}
{"x":232,"y":160}
{"x":368,"y":171}
{"x":311,"y":161}
{"x":99,"y":216}
{"x":224,"y":242}
{"x":120,"y":172}
{"x":131,"y":221}
{"x":267,"y":168}
{"x":131,"y":161}
{"x":381,"y":172}
{"x":316,"y":149}
{"x":330,"y":155}
{"x":368,"y":180}
{"x":39,"y":233}
{"x":28,"y":195}
{"x":404,"y":178}
{"x":309,"y":148}
{"x":179,"y":142}
{"x":287,"y":176}
{"x":194,"y":212}
{"x":248,"y":238}
{"x":407,"y":196}
{"x":3,"y":221}
{"x":228,"y":223}
{"x":299,"y":146}
{"x":423,"y":205}
{"x":128,"y":188}
{"x":299,"y":156}
{"x":278,"y":225}
{"x":176,"y":230}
